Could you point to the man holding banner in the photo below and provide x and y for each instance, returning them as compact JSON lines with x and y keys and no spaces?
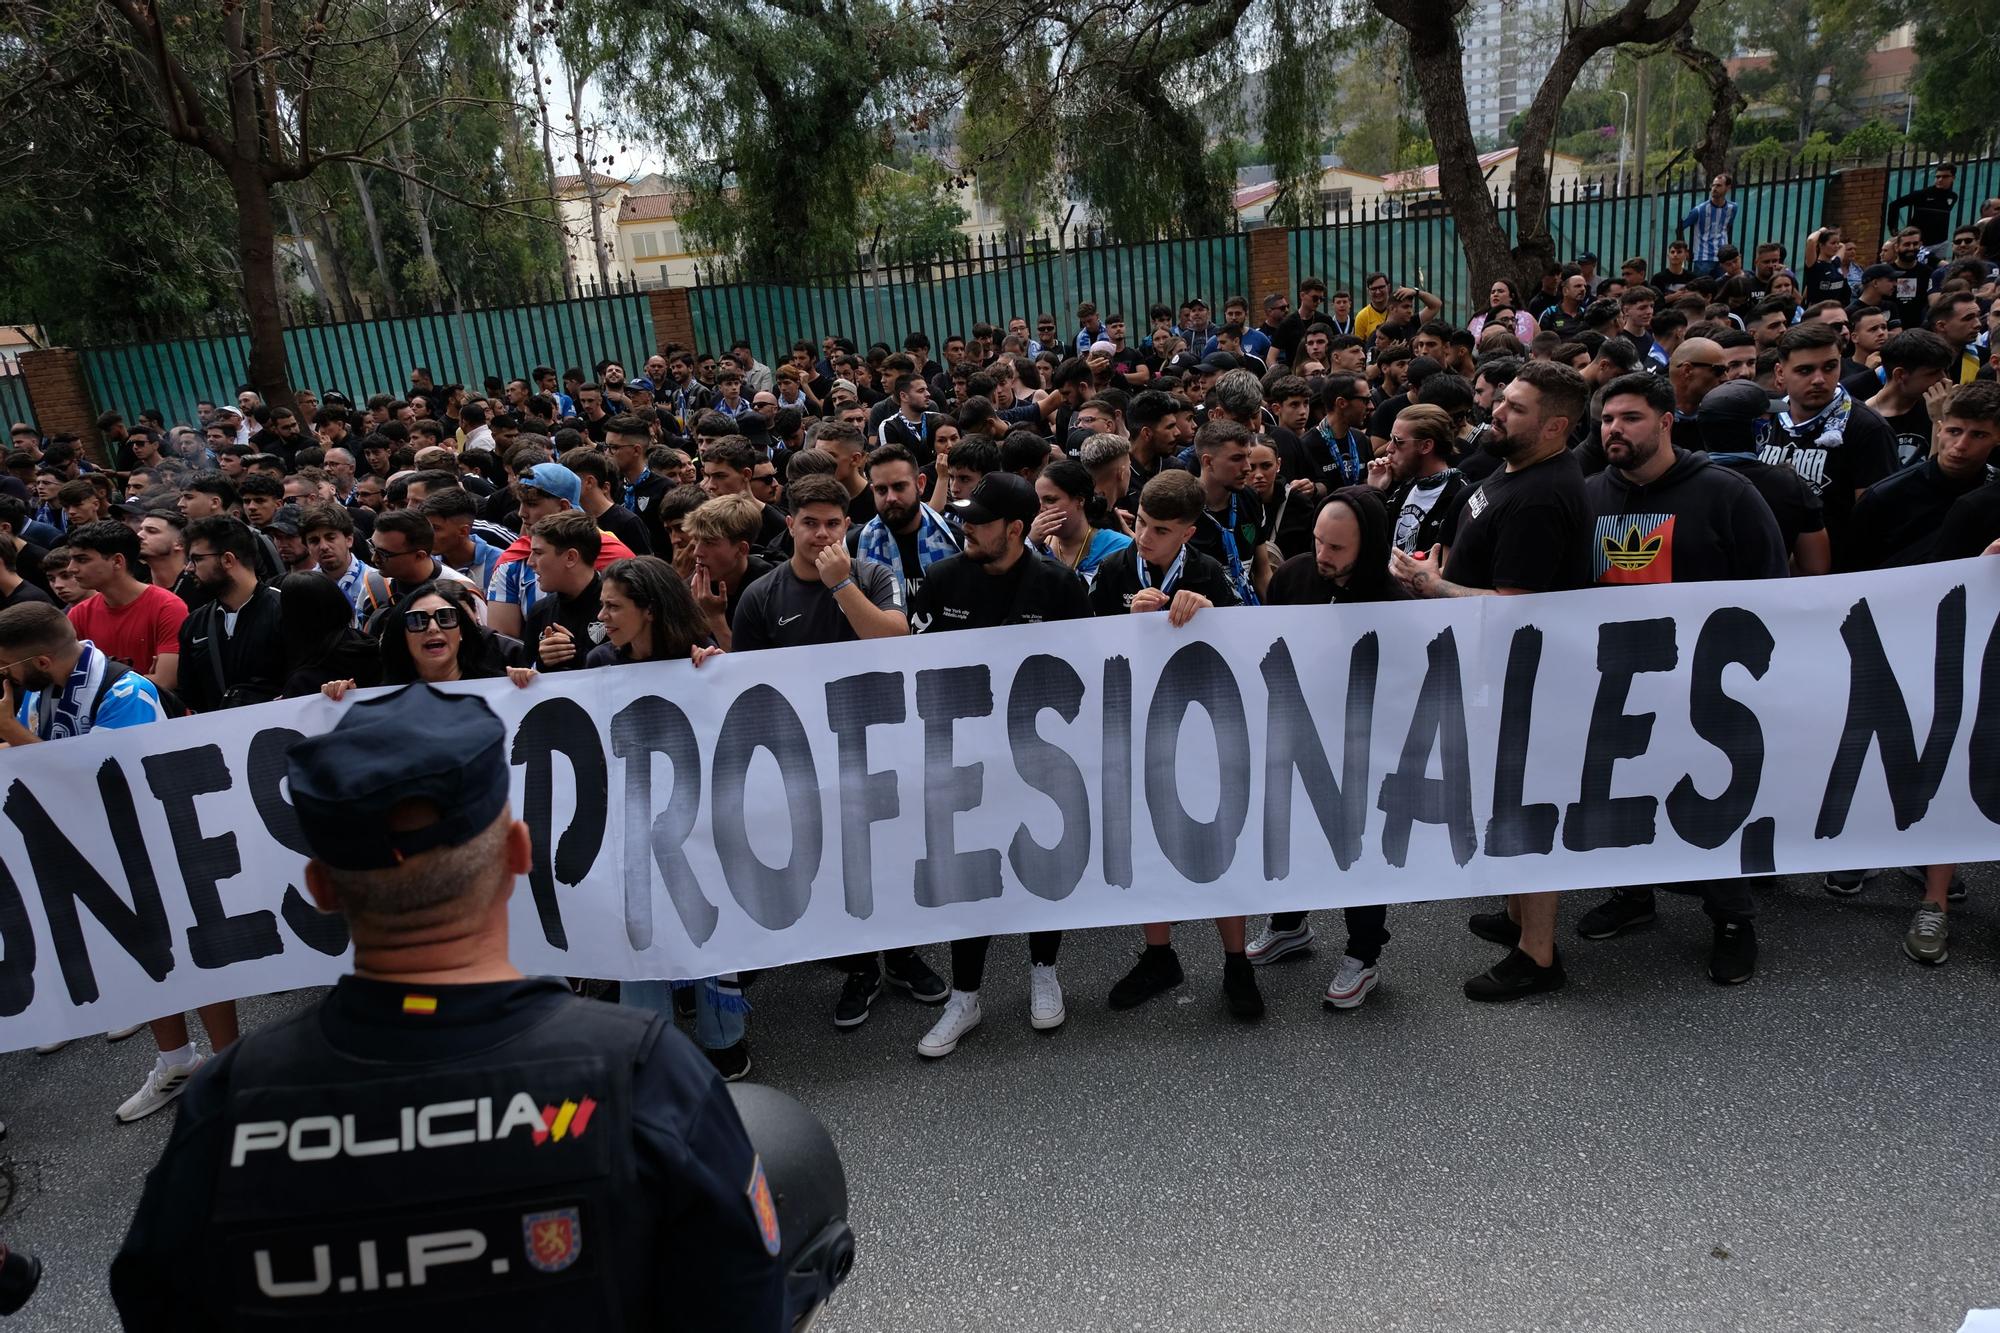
{"x":56,"y":686}
{"x":1525,"y":530}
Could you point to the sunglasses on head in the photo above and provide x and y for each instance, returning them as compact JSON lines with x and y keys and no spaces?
{"x":445,"y":617}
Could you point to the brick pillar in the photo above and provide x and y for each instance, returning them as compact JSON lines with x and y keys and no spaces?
{"x":673,"y":320}
{"x":1856,"y":201}
{"x":60,"y":396}
{"x":1270,"y":266}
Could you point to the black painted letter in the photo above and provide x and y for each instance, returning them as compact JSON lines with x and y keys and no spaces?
{"x":1292,"y":744}
{"x":763,"y":719}
{"x":1051,"y":683}
{"x":647,"y":726}
{"x":854,"y":704}
{"x":552,"y":727}
{"x":1407,"y":795}
{"x":1597,"y":818}
{"x":1198,"y":674}
{"x":945,"y":874}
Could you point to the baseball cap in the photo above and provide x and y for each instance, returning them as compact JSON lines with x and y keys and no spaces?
{"x":447,"y":751}
{"x":1196,"y":303}
{"x":556,"y":481}
{"x":1728,"y":416}
{"x":641,"y":383}
{"x":1215,"y":361}
{"x":1103,"y":347}
{"x":285,"y":520}
{"x":1586,"y":258}
{"x":999,"y":495}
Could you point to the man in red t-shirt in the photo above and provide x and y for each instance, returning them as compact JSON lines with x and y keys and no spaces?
{"x":135,"y":622}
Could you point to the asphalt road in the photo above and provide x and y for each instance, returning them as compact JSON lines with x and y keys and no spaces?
{"x":1815,"y":1150}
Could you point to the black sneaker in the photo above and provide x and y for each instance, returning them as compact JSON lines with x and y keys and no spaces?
{"x":1616,"y":914}
{"x":855,"y":997}
{"x":1734,"y":957}
{"x":1239,"y":987}
{"x":907,"y":972}
{"x":684,"y":1003}
{"x":1514,"y":976}
{"x":1497,"y":927}
{"x":20,"y":1274}
{"x":1158,"y":969}
{"x":1845,"y":883}
{"x":732,"y":1062}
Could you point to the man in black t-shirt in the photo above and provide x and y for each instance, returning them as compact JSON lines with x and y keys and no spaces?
{"x":562,"y":627}
{"x":1525,"y":530}
{"x":1349,"y":563}
{"x":1235,"y":527}
{"x":1840,"y":447}
{"x":1913,"y":362}
{"x":1162,"y":571}
{"x":823,"y":595}
{"x":998,"y":580}
{"x":1899,"y":520}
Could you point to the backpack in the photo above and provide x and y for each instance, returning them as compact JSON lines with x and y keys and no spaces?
{"x":114,"y":670}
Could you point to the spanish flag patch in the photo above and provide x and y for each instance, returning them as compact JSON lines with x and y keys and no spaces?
{"x":762,"y":1205}
{"x":420,"y":1004}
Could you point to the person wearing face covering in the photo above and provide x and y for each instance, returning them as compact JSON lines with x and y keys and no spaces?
{"x":1349,"y":562}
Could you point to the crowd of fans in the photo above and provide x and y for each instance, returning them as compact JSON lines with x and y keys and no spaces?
{"x":1699,"y":420}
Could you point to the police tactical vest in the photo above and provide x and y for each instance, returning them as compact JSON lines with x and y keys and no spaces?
{"x":496,"y":1190}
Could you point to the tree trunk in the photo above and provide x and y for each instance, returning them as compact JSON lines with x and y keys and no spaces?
{"x":336,"y":256}
{"x":1437,"y":56}
{"x":549,"y":156}
{"x":361,"y":192}
{"x":402,"y":149}
{"x":269,"y":369}
{"x":586,"y":163}
{"x":1725,"y":103}
{"x":321,"y":292}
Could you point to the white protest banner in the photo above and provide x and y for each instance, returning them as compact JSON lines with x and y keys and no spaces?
{"x":781,"y":806}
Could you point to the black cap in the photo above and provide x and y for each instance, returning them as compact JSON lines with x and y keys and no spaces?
{"x":998,"y":496}
{"x":1728,"y":416}
{"x":1217,"y":361}
{"x":285,"y":520}
{"x":1586,"y":258}
{"x":1196,"y":303}
{"x":417,"y":744}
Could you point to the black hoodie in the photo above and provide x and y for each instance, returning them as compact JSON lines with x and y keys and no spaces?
{"x":1298,"y":581}
{"x":1697,"y":522}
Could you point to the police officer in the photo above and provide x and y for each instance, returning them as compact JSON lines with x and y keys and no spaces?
{"x":442,"y":1141}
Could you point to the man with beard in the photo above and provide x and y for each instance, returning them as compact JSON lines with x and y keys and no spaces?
{"x":1349,"y":563}
{"x":998,"y":580}
{"x":906,"y":535}
{"x":1421,"y":487}
{"x":233,"y":645}
{"x":1526,"y":529}
{"x":1667,"y":515}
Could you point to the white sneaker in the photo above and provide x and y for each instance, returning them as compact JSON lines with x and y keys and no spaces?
{"x":52,"y":1047}
{"x":1045,"y":1002}
{"x":162,"y":1085}
{"x":1272,"y":944}
{"x":960,"y":1016}
{"x":1352,"y":981}
{"x":120,"y":1034}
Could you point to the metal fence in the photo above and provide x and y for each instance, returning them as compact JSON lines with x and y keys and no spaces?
{"x":14,"y":405}
{"x":983,"y":282}
{"x":377,"y":355}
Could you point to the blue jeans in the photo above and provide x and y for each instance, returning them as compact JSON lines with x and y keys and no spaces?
{"x":716,"y":1027}
{"x":1707,"y":268}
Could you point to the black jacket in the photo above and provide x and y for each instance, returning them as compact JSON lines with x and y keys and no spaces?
{"x":226,"y":670}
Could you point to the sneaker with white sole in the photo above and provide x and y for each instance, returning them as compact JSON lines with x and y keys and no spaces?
{"x":1272,"y":944}
{"x":164,"y":1083}
{"x":1352,"y":981}
{"x":50,"y":1048}
{"x":120,"y":1034}
{"x":960,"y":1016}
{"x":1045,"y":1000}
{"x":1929,"y":937}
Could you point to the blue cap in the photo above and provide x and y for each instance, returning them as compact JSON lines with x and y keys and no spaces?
{"x":641,"y":383}
{"x":556,"y":481}
{"x":418,"y":744}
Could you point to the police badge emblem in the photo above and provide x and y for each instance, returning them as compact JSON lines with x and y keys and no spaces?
{"x":553,"y":1240}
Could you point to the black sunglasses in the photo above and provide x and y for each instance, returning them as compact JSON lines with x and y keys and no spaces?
{"x":445,"y":617}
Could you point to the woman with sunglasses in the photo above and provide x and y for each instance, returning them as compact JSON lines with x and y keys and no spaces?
{"x":433,"y":637}
{"x":649,"y":615}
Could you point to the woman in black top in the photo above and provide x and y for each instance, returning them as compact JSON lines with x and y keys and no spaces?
{"x":432,"y":636}
{"x":321,"y":643}
{"x":649,"y":615}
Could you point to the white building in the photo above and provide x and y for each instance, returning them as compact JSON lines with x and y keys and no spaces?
{"x":1509,"y":46}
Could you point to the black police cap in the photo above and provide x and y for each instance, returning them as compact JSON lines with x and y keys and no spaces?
{"x":417,"y":744}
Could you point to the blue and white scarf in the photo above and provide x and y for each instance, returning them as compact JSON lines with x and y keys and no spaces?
{"x":935,"y":541}
{"x":56,"y":715}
